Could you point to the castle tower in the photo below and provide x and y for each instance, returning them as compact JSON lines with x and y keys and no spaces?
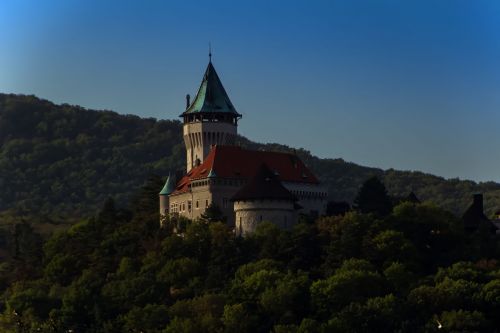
{"x":210,"y":119}
{"x":263,"y":198}
{"x":163,"y":195}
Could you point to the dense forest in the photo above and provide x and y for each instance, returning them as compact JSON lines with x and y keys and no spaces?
{"x":60,"y":162}
{"x":406,"y":269}
{"x":81,"y":249}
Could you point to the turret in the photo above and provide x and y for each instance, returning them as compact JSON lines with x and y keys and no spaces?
{"x":163,"y":195}
{"x":210,"y":119}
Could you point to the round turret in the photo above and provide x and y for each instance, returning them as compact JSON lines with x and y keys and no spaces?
{"x":167,"y":189}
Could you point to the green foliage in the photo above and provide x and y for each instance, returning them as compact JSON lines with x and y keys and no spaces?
{"x":378,"y":314}
{"x":407,"y":270}
{"x":345,"y":286}
{"x":150,"y":318}
{"x":399,"y":278}
{"x":464,"y":321}
{"x":239,"y":318}
{"x":119,"y":272}
{"x":63,"y":161}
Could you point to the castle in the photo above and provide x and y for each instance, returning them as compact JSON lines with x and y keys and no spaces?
{"x":248,"y":186}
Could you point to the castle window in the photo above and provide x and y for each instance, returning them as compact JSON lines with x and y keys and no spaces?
{"x":197,"y":204}
{"x":206,"y":203}
{"x":189,"y":205}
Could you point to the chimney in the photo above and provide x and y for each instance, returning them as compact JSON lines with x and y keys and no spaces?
{"x":478,"y":202}
{"x":188,"y":100}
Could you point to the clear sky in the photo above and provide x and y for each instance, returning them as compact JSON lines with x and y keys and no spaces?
{"x":410,"y":85}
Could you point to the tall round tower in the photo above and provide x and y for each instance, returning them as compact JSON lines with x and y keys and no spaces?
{"x":210,"y":119}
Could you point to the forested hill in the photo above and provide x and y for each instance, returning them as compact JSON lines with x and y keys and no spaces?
{"x":63,"y":161}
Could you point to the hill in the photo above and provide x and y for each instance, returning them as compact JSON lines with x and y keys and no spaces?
{"x":59,"y":162}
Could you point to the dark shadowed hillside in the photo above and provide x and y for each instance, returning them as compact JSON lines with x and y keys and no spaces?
{"x":64,"y":161}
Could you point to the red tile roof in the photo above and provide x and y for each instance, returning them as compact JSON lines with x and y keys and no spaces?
{"x":236,"y":162}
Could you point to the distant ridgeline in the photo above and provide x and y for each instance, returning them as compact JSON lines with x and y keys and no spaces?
{"x":63,"y":161}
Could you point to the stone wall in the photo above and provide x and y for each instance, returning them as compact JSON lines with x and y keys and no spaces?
{"x":164,"y":206}
{"x":312,"y":197}
{"x":250,"y":213}
{"x":219,"y":191}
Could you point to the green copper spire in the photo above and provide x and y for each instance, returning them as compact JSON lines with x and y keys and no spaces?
{"x":211,"y":97}
{"x":169,"y":186}
{"x":211,"y":174}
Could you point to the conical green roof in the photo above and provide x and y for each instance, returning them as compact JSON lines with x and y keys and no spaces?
{"x":211,"y":96}
{"x":169,"y":186}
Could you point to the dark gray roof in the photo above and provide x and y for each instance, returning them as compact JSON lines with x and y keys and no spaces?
{"x":474,"y":216}
{"x":263,"y":186}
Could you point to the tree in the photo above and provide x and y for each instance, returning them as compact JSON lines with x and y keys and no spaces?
{"x":334,"y":208}
{"x":378,"y":314}
{"x":213,"y":214}
{"x":346,"y":240}
{"x":148,"y":318}
{"x":203,"y":312}
{"x":436,"y":234}
{"x":27,"y":244}
{"x":288,"y":300}
{"x":238,"y":318}
{"x":372,"y":198}
{"x":345,"y":286}
{"x":389,"y":246}
{"x":399,"y":277}
{"x":181,"y":275}
{"x":463,"y":321}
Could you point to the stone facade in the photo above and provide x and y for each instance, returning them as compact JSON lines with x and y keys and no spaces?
{"x":164,"y":205}
{"x":312,"y":198}
{"x":203,"y":193}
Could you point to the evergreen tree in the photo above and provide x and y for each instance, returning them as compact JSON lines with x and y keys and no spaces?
{"x":373,"y":198}
{"x":213,"y":214}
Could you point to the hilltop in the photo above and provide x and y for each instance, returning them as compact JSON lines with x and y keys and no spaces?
{"x":62,"y":161}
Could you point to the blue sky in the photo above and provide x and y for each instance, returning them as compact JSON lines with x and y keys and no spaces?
{"x":410,"y":85}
